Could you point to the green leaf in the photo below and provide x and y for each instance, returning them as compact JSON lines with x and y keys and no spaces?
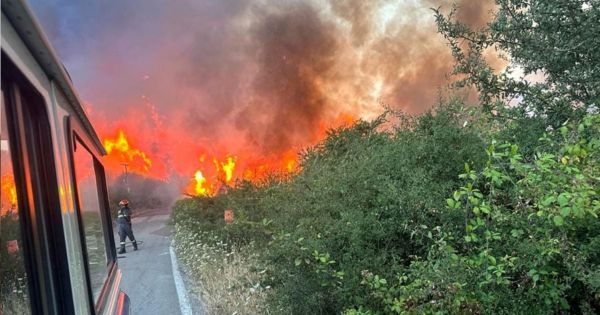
{"x":565,"y":211}
{"x":473,"y":200}
{"x":485,"y":209}
{"x":563,"y":200}
{"x":451,"y":202}
{"x":516,"y":233}
{"x":558,"y":220}
{"x":297,"y":262}
{"x":564,"y":130}
{"x":548,"y":201}
{"x":457,"y":195}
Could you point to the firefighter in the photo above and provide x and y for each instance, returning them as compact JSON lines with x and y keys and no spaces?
{"x":124,"y":225}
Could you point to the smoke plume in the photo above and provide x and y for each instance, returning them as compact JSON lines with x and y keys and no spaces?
{"x":249,"y":78}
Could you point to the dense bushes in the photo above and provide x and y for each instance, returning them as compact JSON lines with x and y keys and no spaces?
{"x":530,"y":243}
{"x":375,"y":224}
{"x":485,"y":210}
{"x":364,"y":200}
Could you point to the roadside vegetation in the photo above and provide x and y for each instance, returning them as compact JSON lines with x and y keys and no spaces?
{"x":490,"y":209}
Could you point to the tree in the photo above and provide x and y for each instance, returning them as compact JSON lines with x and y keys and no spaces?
{"x":555,"y":39}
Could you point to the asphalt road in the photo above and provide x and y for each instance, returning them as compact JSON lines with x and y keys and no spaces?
{"x":148,"y":273}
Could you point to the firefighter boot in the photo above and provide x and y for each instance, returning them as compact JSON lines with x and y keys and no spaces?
{"x":134,"y":245}
{"x":122,"y":249}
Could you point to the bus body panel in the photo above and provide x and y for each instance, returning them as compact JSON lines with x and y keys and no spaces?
{"x":59,"y":110}
{"x":15,"y":49}
{"x":66,"y":191}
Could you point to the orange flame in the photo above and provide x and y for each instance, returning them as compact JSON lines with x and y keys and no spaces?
{"x":257,"y":172}
{"x":226,"y":168}
{"x":119,"y":149}
{"x":211,"y":168}
{"x":201,"y":188}
{"x":290,"y":161}
{"x":226,"y":171}
{"x":8,"y":190}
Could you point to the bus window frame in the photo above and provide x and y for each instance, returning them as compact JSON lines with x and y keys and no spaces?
{"x":34,"y":170}
{"x":18,"y":172}
{"x":77,"y":135}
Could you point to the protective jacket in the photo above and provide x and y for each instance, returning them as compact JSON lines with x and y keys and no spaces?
{"x":124,"y":216}
{"x":124,"y":228}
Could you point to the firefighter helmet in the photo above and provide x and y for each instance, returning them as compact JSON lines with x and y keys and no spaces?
{"x":123,"y":202}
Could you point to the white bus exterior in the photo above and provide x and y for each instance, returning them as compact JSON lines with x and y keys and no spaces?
{"x":57,"y":245}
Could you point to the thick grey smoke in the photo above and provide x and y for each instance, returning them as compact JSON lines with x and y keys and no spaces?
{"x":245,"y":74}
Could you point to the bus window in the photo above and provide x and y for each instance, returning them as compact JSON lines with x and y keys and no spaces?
{"x":91,"y":216}
{"x":14,"y":293}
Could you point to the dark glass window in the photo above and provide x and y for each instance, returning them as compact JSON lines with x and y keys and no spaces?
{"x":14,"y":293}
{"x":91,"y":216}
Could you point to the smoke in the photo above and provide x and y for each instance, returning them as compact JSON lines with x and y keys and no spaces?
{"x":142,"y":192}
{"x":254,"y":78}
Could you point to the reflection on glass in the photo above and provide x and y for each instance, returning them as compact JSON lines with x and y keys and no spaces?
{"x":14,"y":294}
{"x":92,"y":222}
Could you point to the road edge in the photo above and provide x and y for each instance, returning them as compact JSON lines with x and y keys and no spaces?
{"x":182,"y":295}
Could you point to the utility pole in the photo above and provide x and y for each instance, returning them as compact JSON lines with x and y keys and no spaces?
{"x":126,"y":177}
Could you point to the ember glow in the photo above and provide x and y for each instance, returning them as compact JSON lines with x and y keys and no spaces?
{"x":8,"y":192}
{"x":203,"y":93}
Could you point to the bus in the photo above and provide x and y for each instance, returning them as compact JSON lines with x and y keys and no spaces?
{"x":57,"y":248}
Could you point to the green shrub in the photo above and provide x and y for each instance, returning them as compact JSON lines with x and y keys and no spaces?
{"x":378,"y":221}
{"x":531,"y":237}
{"x":364,"y":200}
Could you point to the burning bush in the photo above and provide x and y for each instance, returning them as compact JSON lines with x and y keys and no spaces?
{"x":367,"y":224}
{"x":353,"y":206}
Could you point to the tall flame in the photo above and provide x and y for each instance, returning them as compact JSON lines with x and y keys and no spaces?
{"x":201,"y":187}
{"x":290,"y":161}
{"x":118,"y":148}
{"x":231,"y":168}
{"x":226,"y":168}
{"x":214,"y":169}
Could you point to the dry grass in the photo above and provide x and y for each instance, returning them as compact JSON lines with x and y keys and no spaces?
{"x":225,"y":277}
